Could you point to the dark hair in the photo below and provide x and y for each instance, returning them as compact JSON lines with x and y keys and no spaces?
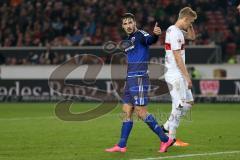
{"x":128,"y":15}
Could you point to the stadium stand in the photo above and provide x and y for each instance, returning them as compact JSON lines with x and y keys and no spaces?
{"x":93,"y":22}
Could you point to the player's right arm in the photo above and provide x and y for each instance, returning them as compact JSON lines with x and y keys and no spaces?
{"x":190,"y":34}
{"x":182,"y":67}
{"x":148,"y":39}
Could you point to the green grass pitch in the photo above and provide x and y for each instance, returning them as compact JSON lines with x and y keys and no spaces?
{"x":31,"y":131}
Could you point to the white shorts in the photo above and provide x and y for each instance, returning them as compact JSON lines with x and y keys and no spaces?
{"x":179,"y":90}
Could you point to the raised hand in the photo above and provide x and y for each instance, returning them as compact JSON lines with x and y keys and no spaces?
{"x":157,"y":30}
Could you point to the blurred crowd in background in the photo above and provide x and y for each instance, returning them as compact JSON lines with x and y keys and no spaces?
{"x":93,"y":22}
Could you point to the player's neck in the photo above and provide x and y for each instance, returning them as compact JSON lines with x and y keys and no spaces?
{"x":135,"y":30}
{"x":179,"y":24}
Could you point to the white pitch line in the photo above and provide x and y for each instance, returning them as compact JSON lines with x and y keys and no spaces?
{"x":190,"y":155}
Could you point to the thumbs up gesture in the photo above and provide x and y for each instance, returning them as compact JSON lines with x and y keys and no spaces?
{"x":157,"y":30}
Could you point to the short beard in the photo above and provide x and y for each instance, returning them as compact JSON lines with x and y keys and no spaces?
{"x":134,"y":30}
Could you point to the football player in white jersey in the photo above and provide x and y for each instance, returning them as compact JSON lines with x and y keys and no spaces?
{"x":177,"y":76}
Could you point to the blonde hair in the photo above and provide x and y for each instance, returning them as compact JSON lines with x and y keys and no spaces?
{"x":187,"y":12}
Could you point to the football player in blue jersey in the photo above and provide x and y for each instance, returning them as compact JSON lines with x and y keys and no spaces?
{"x":135,"y":96}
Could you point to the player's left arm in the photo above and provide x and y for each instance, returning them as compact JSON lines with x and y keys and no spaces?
{"x":190,"y":34}
{"x":151,"y":39}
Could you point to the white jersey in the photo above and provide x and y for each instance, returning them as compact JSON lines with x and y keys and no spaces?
{"x":174,"y":41}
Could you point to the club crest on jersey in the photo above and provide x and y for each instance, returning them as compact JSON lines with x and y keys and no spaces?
{"x":179,"y":40}
{"x":130,"y":45}
{"x":133,"y":39}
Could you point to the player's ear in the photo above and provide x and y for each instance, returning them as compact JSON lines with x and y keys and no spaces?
{"x":185,"y":19}
{"x":135,"y":23}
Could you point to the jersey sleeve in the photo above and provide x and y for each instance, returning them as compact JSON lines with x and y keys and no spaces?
{"x":175,"y":41}
{"x":148,"y":39}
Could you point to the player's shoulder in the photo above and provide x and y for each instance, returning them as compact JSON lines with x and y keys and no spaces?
{"x":173,"y":29}
{"x":143,"y":33}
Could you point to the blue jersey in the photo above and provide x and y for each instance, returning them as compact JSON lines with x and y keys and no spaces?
{"x":137,"y":53}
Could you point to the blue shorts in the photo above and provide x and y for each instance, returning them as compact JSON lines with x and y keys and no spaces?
{"x":136,"y":91}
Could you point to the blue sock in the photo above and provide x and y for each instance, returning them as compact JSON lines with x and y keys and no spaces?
{"x":152,"y":123}
{"x":126,"y":129}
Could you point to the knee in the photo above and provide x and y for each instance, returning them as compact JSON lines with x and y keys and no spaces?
{"x":127,"y":112}
{"x":141,"y":112}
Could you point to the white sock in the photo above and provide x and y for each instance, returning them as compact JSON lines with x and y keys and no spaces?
{"x":166,"y":125}
{"x":172,"y":133}
{"x":173,"y":123}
